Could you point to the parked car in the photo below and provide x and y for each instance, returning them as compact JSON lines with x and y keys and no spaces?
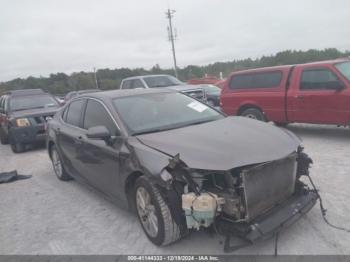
{"x":166,"y":81}
{"x":73,"y":94}
{"x":317,"y":93}
{"x":180,"y":164}
{"x":213,"y":94}
{"x":23,"y":115}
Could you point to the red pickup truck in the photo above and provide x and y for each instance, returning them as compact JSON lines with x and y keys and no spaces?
{"x":317,"y":93}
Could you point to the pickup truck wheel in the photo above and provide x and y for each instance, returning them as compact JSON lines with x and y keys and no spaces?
{"x":57,"y":165}
{"x":281,"y":124}
{"x":253,"y":113}
{"x":154,"y":214}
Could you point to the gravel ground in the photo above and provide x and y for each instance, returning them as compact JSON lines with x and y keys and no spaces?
{"x":42,"y":215}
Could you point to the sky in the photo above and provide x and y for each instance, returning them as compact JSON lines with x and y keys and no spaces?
{"x":39,"y":37}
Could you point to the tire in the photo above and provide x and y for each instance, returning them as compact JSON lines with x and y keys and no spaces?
{"x":16,"y":147}
{"x":57,"y":165}
{"x":3,"y":138}
{"x":253,"y":113}
{"x":157,"y":211}
{"x":281,"y":124}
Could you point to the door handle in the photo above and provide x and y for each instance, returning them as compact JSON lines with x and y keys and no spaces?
{"x":300,"y":97}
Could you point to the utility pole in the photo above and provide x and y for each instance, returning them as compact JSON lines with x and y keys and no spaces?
{"x":172,"y":36}
{"x":96,"y":83}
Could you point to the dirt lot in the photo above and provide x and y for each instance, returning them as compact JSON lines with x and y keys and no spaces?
{"x":42,"y":215}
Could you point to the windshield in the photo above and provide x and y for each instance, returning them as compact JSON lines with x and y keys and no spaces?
{"x":31,"y":102}
{"x":211,"y":89}
{"x":162,"y":111}
{"x":162,"y":81}
{"x":344,"y":68}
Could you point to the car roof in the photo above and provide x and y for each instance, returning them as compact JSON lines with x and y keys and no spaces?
{"x":111,"y":94}
{"x":25,"y":92}
{"x":326,"y":62}
{"x":143,"y":76}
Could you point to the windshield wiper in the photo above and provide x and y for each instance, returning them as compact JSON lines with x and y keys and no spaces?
{"x":170,"y":128}
{"x":200,"y":122}
{"x":148,"y":132}
{"x":160,"y":86}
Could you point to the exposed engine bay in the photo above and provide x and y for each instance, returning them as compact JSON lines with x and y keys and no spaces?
{"x":238,"y":198}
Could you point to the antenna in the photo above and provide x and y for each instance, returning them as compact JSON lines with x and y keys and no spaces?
{"x":172,"y":36}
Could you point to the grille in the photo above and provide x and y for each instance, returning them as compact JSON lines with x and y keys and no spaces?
{"x":268,"y":184}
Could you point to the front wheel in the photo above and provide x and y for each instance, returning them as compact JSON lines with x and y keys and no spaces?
{"x":58,"y":166}
{"x":154,"y":214}
{"x":253,"y":113}
{"x":17,"y":147}
{"x":3,"y":138}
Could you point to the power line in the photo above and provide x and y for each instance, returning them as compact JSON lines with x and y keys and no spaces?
{"x":172,"y":37}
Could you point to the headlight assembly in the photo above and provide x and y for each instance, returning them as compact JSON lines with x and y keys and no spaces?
{"x":21,"y":122}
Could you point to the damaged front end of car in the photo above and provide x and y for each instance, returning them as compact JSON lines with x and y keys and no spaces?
{"x":251,"y":202}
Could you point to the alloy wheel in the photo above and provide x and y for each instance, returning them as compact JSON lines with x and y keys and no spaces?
{"x":56,"y":162}
{"x":146,"y":211}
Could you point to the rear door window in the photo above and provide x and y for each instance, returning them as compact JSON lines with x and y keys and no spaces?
{"x":126,"y":84}
{"x":256,"y":80}
{"x":136,"y":83}
{"x":74,"y":112}
{"x":318,"y":79}
{"x":97,"y":115}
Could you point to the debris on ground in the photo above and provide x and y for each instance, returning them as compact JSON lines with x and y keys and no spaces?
{"x":7,"y":177}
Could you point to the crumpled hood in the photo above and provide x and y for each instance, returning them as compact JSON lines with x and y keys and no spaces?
{"x":224,"y":144}
{"x":34,"y":112}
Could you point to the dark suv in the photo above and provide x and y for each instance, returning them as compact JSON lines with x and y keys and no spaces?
{"x":23,"y":115}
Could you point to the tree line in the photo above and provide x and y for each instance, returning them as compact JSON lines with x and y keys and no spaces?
{"x":61,"y":83}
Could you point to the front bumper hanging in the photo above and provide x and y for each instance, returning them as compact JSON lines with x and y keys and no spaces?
{"x":268,"y":224}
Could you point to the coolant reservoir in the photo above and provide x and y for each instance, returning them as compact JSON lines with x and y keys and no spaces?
{"x":201,"y":210}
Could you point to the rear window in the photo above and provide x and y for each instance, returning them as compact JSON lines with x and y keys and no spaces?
{"x":257,"y":80}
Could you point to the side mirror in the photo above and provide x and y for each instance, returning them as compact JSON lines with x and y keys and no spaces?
{"x":99,"y":132}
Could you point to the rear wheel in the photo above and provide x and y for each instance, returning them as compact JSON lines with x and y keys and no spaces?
{"x":57,"y":165}
{"x":253,"y":113}
{"x":154,"y":214}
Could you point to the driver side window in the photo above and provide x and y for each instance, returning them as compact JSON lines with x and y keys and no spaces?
{"x":97,"y":115}
{"x":319,"y":79}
